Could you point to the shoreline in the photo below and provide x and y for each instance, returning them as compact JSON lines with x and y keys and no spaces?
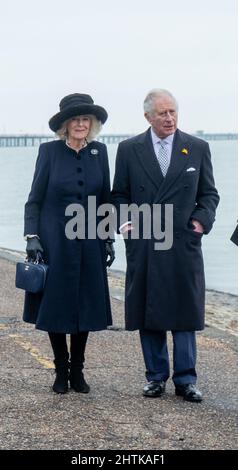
{"x":115,"y":415}
{"x":221,"y":307}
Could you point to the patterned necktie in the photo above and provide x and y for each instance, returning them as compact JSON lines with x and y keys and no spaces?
{"x":163,"y":157}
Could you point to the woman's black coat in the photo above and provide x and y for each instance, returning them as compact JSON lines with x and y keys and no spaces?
{"x":76,"y":296}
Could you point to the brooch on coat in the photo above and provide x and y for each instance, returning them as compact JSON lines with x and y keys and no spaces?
{"x":94,"y":151}
{"x":185,"y":151}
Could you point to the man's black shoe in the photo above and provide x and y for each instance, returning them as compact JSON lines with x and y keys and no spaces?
{"x":189,"y":392}
{"x":154,"y":389}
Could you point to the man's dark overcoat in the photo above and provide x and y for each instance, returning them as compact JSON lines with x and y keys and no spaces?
{"x":165,"y":290}
{"x":76,"y":296}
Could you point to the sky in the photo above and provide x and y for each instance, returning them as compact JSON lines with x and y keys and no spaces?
{"x":117,"y":52}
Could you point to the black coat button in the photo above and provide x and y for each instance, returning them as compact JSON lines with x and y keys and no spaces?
{"x":142,"y":187}
{"x":79,"y":196}
{"x":80,"y":183}
{"x":186,"y":186}
{"x":79,"y":170}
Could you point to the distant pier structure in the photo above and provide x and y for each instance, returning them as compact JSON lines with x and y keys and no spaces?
{"x":30,"y":140}
{"x":26,"y":140}
{"x":216,"y":136}
{"x":113,"y":138}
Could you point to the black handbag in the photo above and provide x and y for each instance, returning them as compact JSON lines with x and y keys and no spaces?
{"x":31,"y":276}
{"x":234,"y":236}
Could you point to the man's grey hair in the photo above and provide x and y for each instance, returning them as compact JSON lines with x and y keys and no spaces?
{"x":95,"y":129}
{"x":150,"y":99}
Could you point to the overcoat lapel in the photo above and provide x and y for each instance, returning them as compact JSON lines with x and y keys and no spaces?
{"x":146,"y":155}
{"x":179,"y":160}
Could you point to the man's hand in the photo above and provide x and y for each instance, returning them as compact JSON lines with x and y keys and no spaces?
{"x":33,"y":248}
{"x":110,"y":253}
{"x":197,"y":226}
{"x":126,"y":228}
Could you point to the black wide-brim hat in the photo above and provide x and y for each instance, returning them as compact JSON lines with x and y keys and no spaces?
{"x":76,"y":105}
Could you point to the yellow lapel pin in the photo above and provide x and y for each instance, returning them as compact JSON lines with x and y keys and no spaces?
{"x":185,"y":151}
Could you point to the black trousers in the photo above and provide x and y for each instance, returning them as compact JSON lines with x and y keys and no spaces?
{"x":77,"y":347}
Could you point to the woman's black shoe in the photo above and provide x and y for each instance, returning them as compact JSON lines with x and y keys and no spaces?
{"x":77,"y":381}
{"x":62,"y":376}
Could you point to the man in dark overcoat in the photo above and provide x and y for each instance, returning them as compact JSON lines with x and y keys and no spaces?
{"x":165,"y":288}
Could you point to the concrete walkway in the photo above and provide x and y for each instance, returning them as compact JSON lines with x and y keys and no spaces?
{"x":114,"y":415}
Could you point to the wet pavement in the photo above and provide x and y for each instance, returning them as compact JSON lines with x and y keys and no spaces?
{"x":114,"y":415}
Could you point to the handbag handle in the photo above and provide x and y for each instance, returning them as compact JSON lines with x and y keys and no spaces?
{"x":38,"y":259}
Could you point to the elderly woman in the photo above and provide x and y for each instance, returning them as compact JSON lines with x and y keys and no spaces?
{"x":75,"y":299}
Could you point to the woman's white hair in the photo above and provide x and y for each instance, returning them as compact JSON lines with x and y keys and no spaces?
{"x":95,"y":128}
{"x":150,"y":99}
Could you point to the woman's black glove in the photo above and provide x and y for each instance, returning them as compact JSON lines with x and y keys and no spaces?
{"x":110,"y":253}
{"x":34,"y":249}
